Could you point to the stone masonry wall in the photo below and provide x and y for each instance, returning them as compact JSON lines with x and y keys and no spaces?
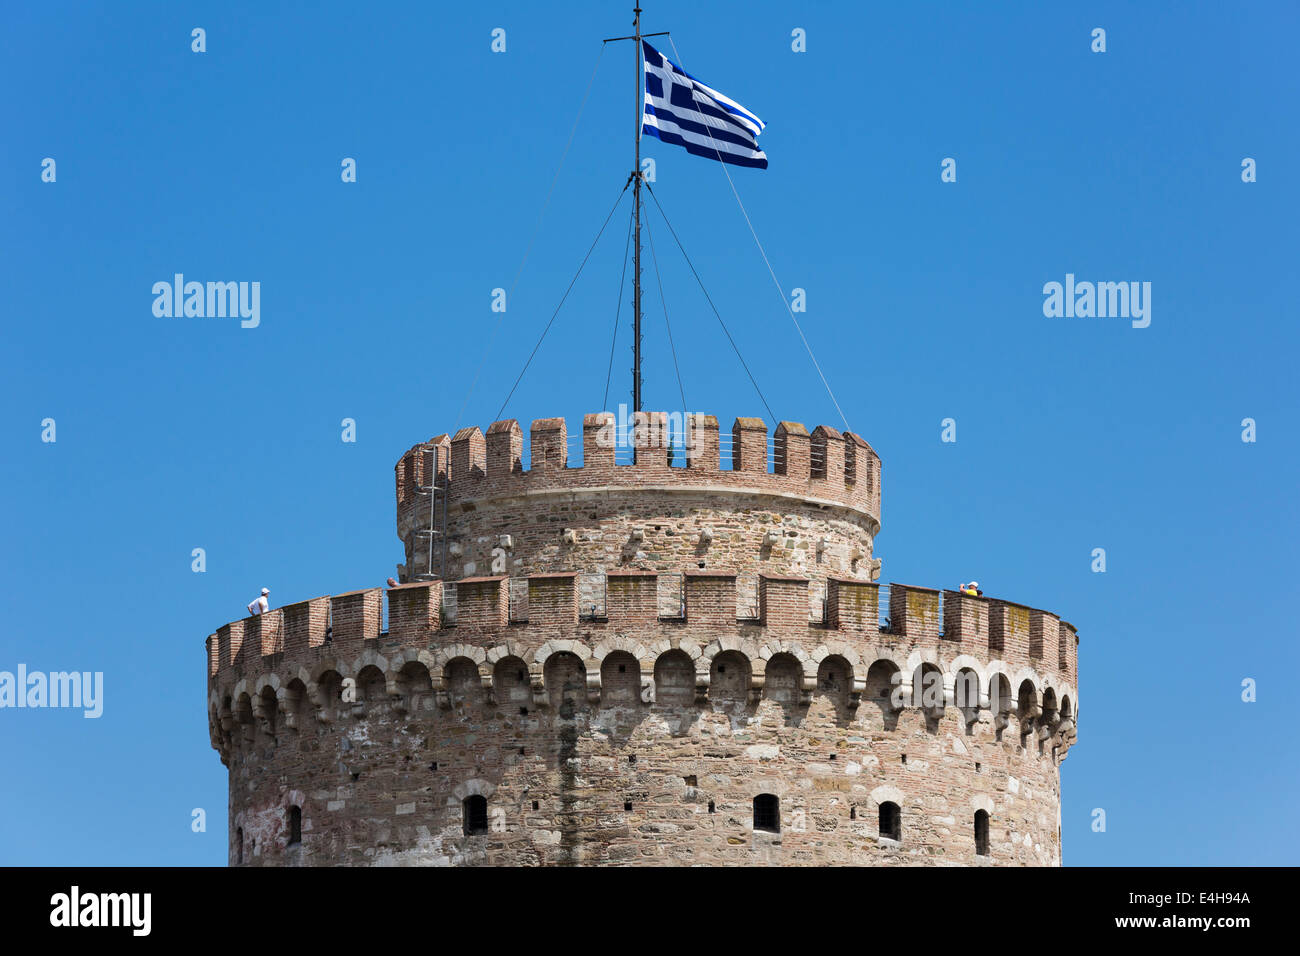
{"x":636,"y":740}
{"x":804,"y":516}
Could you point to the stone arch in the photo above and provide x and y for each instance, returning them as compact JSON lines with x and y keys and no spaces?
{"x":268,"y":713}
{"x":691,"y":649}
{"x":495,"y":654}
{"x":1000,"y":698}
{"x":242,"y":710}
{"x":1049,"y":704}
{"x":835,"y":680}
{"x":226,"y":719}
{"x":324,"y":666}
{"x":782,"y":679}
{"x":922,"y":655}
{"x":372,"y":685}
{"x":620,"y":680}
{"x":929,"y":694}
{"x":966,"y":695}
{"x":884,"y":689}
{"x":565,"y":677}
{"x":730,"y":679}
{"x":674,"y":677}
{"x":295,"y":702}
{"x":842,"y":649}
{"x":415,"y":686}
{"x":745,"y":648}
{"x":1022,"y":674}
{"x":1028,"y":708}
{"x":577,"y":648}
{"x":883,"y":678}
{"x":267,"y":680}
{"x":775,"y":647}
{"x":1050,"y":720}
{"x":617,"y":643}
{"x":928,"y":691}
{"x":512,"y":684}
{"x":462,"y":682}
{"x":966,"y":661}
{"x":369,"y":658}
{"x":472,"y":787}
{"x":1027,"y":699}
{"x":328,"y":689}
{"x":446,"y":654}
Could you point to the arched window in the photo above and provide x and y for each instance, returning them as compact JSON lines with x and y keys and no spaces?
{"x":239,"y":845}
{"x":295,"y":825}
{"x":981,"y":833}
{"x":767,"y":813}
{"x":474,"y":810}
{"x":891,"y":822}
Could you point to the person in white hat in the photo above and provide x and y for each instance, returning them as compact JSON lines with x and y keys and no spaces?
{"x":260,"y":605}
{"x":973,"y":589}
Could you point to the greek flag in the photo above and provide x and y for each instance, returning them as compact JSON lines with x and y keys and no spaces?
{"x":681,"y":110}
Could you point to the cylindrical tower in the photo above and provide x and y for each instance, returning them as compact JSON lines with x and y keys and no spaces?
{"x":655,"y":662}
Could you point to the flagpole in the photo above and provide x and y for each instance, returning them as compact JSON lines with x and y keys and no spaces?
{"x":636,"y":195}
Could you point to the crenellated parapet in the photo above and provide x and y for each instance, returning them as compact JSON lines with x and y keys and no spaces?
{"x":827,"y":466}
{"x":660,"y":492}
{"x":1010,"y":665}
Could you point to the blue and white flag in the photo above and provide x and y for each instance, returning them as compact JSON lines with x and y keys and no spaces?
{"x":681,"y":110}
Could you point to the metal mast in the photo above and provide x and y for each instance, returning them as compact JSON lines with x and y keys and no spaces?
{"x":637,"y":35}
{"x":636,"y":195}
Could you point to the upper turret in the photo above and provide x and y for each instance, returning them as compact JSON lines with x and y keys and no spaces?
{"x":650,"y":493}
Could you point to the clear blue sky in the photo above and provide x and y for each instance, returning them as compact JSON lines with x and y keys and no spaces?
{"x":924,"y":302}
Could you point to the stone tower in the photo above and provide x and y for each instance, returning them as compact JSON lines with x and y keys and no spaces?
{"x":643,"y":659}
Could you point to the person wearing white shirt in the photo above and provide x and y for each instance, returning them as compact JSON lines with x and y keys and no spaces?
{"x":260,"y":605}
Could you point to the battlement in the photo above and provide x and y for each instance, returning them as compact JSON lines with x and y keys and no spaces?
{"x":544,"y":616}
{"x":652,"y":449}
